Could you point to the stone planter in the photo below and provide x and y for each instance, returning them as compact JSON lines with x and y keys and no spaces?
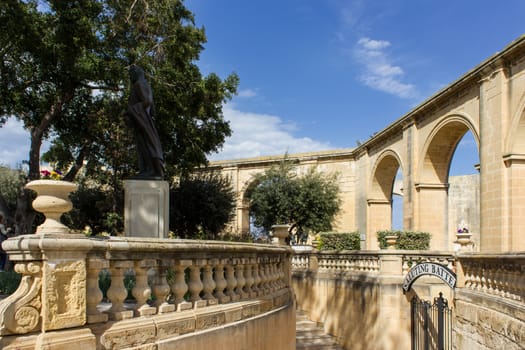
{"x":280,"y":232}
{"x":52,"y":200}
{"x":463,"y":239}
{"x":391,"y":241}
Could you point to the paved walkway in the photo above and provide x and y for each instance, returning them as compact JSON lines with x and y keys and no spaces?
{"x":311,"y":336}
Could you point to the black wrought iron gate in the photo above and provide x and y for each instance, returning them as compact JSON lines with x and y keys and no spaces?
{"x":431,"y":324}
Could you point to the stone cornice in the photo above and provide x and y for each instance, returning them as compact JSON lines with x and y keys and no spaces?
{"x":297,"y":157}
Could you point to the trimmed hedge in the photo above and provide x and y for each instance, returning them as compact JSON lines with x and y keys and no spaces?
{"x":339,"y":241}
{"x":409,"y":240}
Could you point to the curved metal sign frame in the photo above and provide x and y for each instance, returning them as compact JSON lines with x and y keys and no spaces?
{"x":432,"y":269}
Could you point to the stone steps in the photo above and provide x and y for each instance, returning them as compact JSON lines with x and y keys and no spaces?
{"x":310,"y":335}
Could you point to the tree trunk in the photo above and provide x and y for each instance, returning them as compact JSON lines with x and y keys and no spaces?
{"x":25,"y":215}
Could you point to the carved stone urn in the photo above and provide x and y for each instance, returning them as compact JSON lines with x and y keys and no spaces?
{"x":280,"y":232}
{"x":391,"y":241}
{"x":52,"y":200}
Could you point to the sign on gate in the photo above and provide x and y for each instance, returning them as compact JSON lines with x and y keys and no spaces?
{"x":429,"y":268}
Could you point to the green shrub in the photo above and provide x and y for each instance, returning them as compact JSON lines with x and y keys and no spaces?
{"x":409,"y":240}
{"x":339,"y":241}
{"x":9,"y":281}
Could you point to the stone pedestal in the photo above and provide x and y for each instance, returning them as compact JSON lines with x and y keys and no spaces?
{"x":146,"y":208}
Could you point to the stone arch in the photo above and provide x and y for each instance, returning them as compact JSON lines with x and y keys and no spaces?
{"x":383,"y":175}
{"x":243,"y":213}
{"x":440,"y":147}
{"x":432,"y":187}
{"x":379,"y":199}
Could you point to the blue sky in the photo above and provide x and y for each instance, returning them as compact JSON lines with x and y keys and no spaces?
{"x":319,"y":75}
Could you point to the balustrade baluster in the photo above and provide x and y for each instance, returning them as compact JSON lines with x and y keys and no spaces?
{"x":268,"y":275}
{"x":161,"y":288}
{"x":179,"y":286}
{"x":282,"y":283}
{"x":241,"y":281}
{"x":93,"y":293}
{"x":275,"y":268}
{"x":117,"y":293}
{"x":272,"y":277}
{"x":249,"y":279}
{"x":142,"y":291}
{"x":256,"y":279}
{"x":220,"y":282}
{"x":512,"y":276}
{"x":195,"y":284}
{"x":262,"y":273}
{"x":208,"y":282}
{"x":232,"y":282}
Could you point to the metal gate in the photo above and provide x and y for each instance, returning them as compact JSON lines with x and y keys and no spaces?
{"x":431,"y":324}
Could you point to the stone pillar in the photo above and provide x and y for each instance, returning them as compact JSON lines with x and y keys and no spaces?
{"x":146,"y":208}
{"x":379,"y":218}
{"x":433,"y":213}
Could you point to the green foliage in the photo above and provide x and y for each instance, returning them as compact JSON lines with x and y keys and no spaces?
{"x":339,"y":241}
{"x":9,"y":281}
{"x":64,"y":75}
{"x":309,"y":202}
{"x":10,"y":183}
{"x":97,"y":206}
{"x":408,"y":240}
{"x":104,"y":282}
{"x":201,"y":205}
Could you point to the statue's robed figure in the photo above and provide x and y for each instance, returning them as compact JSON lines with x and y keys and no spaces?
{"x":141,"y":113}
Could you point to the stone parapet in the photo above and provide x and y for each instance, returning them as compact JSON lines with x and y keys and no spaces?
{"x":499,"y":275}
{"x":203,"y":284}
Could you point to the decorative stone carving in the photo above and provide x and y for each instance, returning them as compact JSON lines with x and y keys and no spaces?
{"x":64,"y":294}
{"x":20,"y":312}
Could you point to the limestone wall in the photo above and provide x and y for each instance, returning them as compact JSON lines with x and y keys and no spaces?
{"x":363,"y":311}
{"x":484,"y":322}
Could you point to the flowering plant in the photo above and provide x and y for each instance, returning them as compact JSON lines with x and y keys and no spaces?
{"x":53,"y":174}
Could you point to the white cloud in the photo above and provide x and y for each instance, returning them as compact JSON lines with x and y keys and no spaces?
{"x":246,"y":93}
{"x":255,"y":135}
{"x":14,"y":141}
{"x":380,"y":73}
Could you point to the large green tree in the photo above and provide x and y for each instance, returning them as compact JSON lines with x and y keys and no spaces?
{"x":309,"y":202}
{"x":201,"y":205}
{"x":63,"y":73}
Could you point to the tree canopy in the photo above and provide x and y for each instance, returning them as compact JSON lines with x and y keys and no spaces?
{"x":63,"y":73}
{"x":201,"y":205}
{"x":307,"y":202}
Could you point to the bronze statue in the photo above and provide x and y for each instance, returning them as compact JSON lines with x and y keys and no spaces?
{"x":141,"y":113}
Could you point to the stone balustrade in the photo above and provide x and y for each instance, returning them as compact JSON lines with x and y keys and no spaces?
{"x":60,"y":279}
{"x":372,"y":262}
{"x":494,"y":274}
{"x":411,"y":258}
